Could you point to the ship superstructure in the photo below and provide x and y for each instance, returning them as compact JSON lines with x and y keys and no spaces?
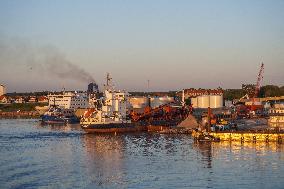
{"x":69,"y":100}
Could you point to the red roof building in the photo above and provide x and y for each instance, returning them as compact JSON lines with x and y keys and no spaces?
{"x":42,"y":99}
{"x":191,"y":93}
{"x":4,"y":99}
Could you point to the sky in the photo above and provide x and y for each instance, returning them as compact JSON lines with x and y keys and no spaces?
{"x":51,"y":44}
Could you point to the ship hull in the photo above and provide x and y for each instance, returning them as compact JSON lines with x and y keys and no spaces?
{"x":113,"y":128}
{"x":52,"y":120}
{"x":161,"y":125}
{"x":154,"y":125}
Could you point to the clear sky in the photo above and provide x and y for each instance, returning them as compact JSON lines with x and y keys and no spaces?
{"x":174,"y":44}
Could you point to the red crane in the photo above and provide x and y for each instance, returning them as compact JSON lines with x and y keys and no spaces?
{"x":245,"y":110}
{"x":257,"y":89}
{"x":259,"y":78}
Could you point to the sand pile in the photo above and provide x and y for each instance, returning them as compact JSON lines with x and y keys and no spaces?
{"x":189,"y":122}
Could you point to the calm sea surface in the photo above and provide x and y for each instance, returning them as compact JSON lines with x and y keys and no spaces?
{"x":33,"y":156}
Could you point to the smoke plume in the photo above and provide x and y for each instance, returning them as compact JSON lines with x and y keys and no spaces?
{"x":43,"y":60}
{"x":56,"y":64}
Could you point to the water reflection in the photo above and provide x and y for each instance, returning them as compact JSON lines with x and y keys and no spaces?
{"x":230,"y":151}
{"x":262,"y":148}
{"x":104,"y":159}
{"x":205,"y":149}
{"x":66,"y":157}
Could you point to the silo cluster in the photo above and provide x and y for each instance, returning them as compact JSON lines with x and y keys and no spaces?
{"x":205,"y":101}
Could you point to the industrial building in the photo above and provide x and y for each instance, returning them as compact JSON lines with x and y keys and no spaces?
{"x":190,"y":93}
{"x":204,"y":98}
{"x":2,"y":90}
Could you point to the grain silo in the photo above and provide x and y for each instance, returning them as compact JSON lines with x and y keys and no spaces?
{"x":203,"y":101}
{"x":138,"y":102}
{"x":159,"y":101}
{"x":216,"y":101}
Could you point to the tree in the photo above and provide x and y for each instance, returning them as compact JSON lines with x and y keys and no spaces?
{"x":269,"y":91}
{"x":282,"y":91}
{"x":231,"y":94}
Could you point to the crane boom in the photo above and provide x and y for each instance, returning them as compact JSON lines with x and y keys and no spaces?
{"x":259,"y":78}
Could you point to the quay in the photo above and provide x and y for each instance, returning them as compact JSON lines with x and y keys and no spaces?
{"x":248,"y":136}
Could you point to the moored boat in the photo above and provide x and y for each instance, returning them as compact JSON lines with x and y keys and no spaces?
{"x":56,"y":115}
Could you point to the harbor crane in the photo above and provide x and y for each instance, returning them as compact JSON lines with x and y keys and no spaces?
{"x":252,"y":104}
{"x":258,"y":82}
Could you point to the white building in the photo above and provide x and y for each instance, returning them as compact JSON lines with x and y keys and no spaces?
{"x":73,"y":100}
{"x":19,"y":100}
{"x":2,"y":90}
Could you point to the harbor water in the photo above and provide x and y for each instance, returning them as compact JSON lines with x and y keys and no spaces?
{"x":34,"y":156}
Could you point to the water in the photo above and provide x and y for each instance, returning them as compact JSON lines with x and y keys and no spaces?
{"x":33,"y":156}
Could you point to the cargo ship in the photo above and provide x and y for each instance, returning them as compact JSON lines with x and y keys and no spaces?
{"x":111,"y":115}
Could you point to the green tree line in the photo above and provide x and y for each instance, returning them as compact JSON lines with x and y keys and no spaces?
{"x":265,"y":91}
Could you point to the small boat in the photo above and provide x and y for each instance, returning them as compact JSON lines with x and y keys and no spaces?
{"x":56,"y":115}
{"x":203,"y":136}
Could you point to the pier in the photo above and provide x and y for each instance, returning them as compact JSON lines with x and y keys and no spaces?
{"x":243,"y":136}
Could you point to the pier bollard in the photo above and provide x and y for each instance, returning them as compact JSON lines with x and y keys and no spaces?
{"x":267,"y":138}
{"x":242,"y":139}
{"x":279,"y":139}
{"x":254,"y":138}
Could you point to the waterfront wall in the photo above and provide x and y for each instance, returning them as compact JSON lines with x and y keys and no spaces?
{"x":21,"y":114}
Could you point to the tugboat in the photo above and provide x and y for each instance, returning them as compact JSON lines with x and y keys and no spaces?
{"x":110,"y":114}
{"x":56,"y":115}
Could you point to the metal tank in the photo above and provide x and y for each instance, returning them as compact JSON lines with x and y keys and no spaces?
{"x":158,"y":101}
{"x":216,"y":101}
{"x":203,"y":101}
{"x":138,"y":102}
